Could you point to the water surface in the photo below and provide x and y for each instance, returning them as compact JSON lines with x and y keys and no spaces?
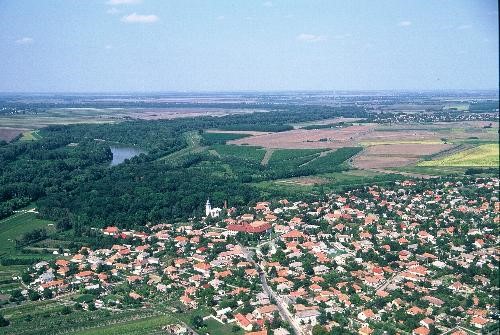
{"x":121,"y":153}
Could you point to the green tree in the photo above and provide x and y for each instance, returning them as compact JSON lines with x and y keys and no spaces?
{"x":4,"y":322}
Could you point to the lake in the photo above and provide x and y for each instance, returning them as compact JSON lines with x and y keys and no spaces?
{"x":122,"y":153}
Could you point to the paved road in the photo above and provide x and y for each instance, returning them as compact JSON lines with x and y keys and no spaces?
{"x":387,"y":282}
{"x":282,"y":307}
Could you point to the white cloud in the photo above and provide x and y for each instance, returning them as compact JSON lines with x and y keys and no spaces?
{"x":113,"y":11}
{"x":267,"y":4}
{"x":310,"y":37}
{"x":25,"y":40}
{"x":122,"y":2}
{"x":464,"y":27}
{"x":138,"y":18}
{"x":108,"y":47}
{"x":404,"y":23}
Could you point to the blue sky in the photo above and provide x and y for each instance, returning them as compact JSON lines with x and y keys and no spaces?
{"x":192,"y":45}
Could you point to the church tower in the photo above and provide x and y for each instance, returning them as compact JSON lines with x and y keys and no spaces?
{"x":208,"y":208}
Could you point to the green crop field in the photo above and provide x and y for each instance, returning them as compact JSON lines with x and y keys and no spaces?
{"x":332,"y":161}
{"x":220,"y":138}
{"x":132,"y":327}
{"x":292,"y":158}
{"x":12,"y":228}
{"x":483,"y":155}
{"x":253,"y":154}
{"x":46,"y":317}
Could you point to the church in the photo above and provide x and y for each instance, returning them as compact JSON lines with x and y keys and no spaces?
{"x":213,"y":212}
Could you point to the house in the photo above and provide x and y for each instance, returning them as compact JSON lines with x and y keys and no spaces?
{"x":366,"y":314}
{"x":255,"y":227}
{"x":265,"y":312}
{"x":420,"y":331}
{"x":479,"y":322}
{"x":293,"y":235}
{"x":188,"y":302}
{"x":110,"y":231}
{"x":427,"y":322}
{"x":243,"y":322}
{"x":84,"y":275}
{"x":260,"y":332}
{"x":308,"y":316}
{"x":414,"y":310}
{"x":365,"y":330}
{"x":203,"y":268}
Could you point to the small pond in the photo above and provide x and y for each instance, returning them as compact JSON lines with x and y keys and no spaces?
{"x":121,"y":153}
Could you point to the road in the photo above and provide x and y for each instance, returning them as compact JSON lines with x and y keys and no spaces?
{"x":386,"y":283}
{"x":282,"y":307}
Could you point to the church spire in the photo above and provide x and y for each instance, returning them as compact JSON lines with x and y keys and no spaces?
{"x":208,"y":208}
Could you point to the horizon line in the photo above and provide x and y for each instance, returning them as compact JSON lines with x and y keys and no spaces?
{"x":252,"y":91}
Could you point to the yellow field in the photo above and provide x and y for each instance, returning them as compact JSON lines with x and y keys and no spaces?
{"x":483,"y":155}
{"x":31,"y":136}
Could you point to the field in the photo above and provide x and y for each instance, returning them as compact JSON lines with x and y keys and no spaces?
{"x":147,"y":325}
{"x":331,"y":181}
{"x":52,"y":116}
{"x":12,"y":228}
{"x":293,"y":157}
{"x":485,"y":155}
{"x":308,"y":139}
{"x":45,"y":317}
{"x":16,"y":225}
{"x":245,"y":153}
{"x":386,"y":146}
{"x":33,"y":135}
{"x":210,"y":138}
{"x":8,"y":134}
{"x":395,"y":155}
{"x":324,"y":122}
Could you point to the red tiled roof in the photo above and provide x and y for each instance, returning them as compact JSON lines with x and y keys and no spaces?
{"x":247,"y":228}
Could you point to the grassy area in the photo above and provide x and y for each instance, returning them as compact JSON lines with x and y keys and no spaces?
{"x":216,"y":328}
{"x":220,"y":138}
{"x":446,"y":170}
{"x":16,"y":225}
{"x":47,"y":317}
{"x":333,"y":161}
{"x":144,"y":326}
{"x":33,"y":135}
{"x":484,"y":155}
{"x":248,"y":153}
{"x":292,"y":158}
{"x":13,"y":228}
{"x":333,"y":181}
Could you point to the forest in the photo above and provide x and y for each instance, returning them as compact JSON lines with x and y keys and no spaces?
{"x":67,"y":174}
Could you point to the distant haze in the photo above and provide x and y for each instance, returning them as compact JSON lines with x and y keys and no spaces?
{"x":203,"y":45}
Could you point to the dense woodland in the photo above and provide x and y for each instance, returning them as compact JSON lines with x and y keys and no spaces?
{"x":67,"y":172}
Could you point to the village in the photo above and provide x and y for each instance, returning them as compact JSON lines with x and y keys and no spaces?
{"x":414,"y":257}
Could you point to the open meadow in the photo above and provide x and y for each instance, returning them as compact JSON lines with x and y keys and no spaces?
{"x":486,"y":155}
